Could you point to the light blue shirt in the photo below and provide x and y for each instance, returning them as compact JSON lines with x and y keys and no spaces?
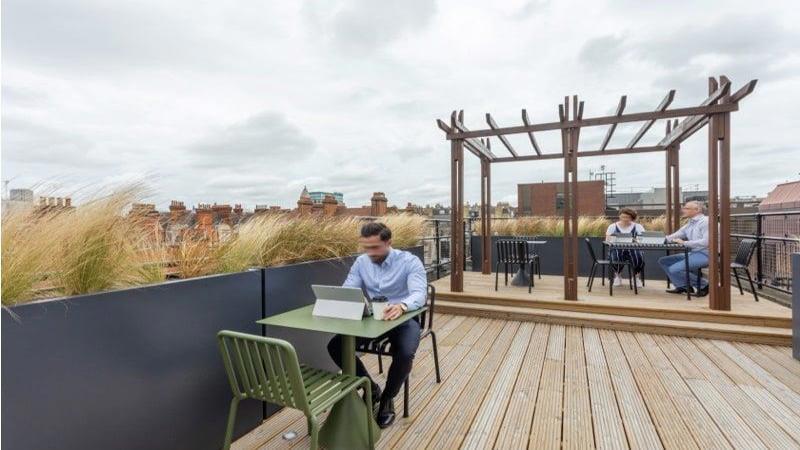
{"x":695,"y":233}
{"x":400,"y":278}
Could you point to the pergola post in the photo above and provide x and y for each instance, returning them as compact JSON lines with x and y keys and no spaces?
{"x":569,"y":142}
{"x":486,"y":217}
{"x":718,"y":210}
{"x":457,"y":215}
{"x":672,"y":188}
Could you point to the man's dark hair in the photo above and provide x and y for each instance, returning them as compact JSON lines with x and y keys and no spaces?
{"x":376,"y":229}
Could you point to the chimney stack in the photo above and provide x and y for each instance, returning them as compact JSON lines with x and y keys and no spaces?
{"x":329,"y":205}
{"x":176,"y":211}
{"x":378,"y":204}
{"x":304,"y":205}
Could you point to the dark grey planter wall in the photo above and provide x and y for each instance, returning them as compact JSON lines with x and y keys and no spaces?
{"x":129,"y":369}
{"x":551,"y":256}
{"x":289,"y":287}
{"x":796,"y":306}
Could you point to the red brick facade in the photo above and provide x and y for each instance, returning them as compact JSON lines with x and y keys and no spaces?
{"x":546,"y":199}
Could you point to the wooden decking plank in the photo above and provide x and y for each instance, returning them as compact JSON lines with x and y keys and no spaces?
{"x":737,"y":430}
{"x":486,"y":424}
{"x":783,"y":393}
{"x":547,"y":417}
{"x":669,"y":425}
{"x":758,"y":422}
{"x":609,"y":431}
{"x":420,"y":430}
{"x":422,"y":394}
{"x":639,"y":426}
{"x":730,"y":368}
{"x":458,"y":420}
{"x":781,"y":357}
{"x":781,"y":373}
{"x":577,"y":433}
{"x":516,"y":426}
{"x":700,"y":424}
{"x":777,"y":411}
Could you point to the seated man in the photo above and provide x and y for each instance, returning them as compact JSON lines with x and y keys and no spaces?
{"x":400,"y":277}
{"x":695,"y":236}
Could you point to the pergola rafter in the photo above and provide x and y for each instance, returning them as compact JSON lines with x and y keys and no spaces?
{"x":713,"y":111}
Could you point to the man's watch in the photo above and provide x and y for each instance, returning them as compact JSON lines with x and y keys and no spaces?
{"x":403,"y":306}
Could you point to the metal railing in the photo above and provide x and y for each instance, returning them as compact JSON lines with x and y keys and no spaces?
{"x":777,"y":236}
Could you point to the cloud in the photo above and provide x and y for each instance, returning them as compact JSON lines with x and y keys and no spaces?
{"x":602,"y":52}
{"x":264,"y":138}
{"x":360,"y":27}
{"x":29,"y":142}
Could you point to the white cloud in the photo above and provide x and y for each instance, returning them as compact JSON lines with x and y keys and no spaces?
{"x":245,"y":102}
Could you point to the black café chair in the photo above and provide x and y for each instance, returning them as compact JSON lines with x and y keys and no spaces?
{"x":744,"y":254}
{"x":607,"y":263}
{"x":512,"y":252}
{"x":381,"y":348}
{"x":533,"y":254}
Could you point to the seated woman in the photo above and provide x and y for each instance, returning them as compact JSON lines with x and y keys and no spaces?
{"x":626,"y":224}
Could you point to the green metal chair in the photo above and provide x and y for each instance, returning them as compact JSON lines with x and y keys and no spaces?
{"x":267,"y":369}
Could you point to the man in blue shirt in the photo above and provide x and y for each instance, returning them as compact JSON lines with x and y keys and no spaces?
{"x":695,"y":236}
{"x":399,"y":276}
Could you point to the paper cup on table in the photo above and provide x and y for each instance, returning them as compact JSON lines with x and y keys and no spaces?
{"x":377,"y":309}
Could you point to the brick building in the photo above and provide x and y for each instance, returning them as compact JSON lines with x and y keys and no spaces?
{"x":547,"y":199}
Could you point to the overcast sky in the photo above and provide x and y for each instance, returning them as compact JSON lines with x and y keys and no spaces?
{"x":247,"y":101}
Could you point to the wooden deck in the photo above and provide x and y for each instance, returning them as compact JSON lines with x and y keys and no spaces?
{"x":512,"y":384}
{"x":652,"y":310}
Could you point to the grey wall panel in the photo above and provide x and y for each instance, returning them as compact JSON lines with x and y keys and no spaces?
{"x":129,"y":369}
{"x":796,"y":306}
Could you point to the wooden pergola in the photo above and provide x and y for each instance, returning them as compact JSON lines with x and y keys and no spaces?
{"x":714,"y":111}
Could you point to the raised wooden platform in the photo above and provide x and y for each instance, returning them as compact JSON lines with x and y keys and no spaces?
{"x":510,"y":385}
{"x":652,"y":310}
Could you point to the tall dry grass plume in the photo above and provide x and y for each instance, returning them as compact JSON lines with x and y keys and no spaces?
{"x":588,"y":226}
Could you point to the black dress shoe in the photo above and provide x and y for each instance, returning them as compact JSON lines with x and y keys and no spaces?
{"x":386,"y":413}
{"x":678,"y":290}
{"x":702,"y":292}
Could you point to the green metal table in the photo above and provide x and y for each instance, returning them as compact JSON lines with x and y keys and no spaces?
{"x":339,"y":431}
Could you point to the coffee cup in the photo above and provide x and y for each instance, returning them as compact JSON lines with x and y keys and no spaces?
{"x":378,"y":307}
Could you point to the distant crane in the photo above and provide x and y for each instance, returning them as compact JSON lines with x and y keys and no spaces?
{"x":609,"y":177}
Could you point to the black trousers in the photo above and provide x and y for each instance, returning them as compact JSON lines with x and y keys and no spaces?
{"x":403,"y":343}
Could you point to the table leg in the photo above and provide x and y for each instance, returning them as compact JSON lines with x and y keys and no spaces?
{"x":688,"y":278}
{"x":344,"y":428}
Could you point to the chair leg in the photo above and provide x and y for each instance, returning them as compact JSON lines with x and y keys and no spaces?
{"x":435,"y":357}
{"x":533,"y":272}
{"x":380,"y":364}
{"x":590,"y":281}
{"x":405,"y":397}
{"x":752,"y":286}
{"x":314,"y":432}
{"x":603,"y":280}
{"x":631,"y":279}
{"x":530,"y":283}
{"x":231,"y":422}
{"x":539,"y":267}
{"x":505,"y":269}
{"x":738,"y":282}
{"x":368,"y":404}
{"x":610,"y":283}
{"x":496,"y":274}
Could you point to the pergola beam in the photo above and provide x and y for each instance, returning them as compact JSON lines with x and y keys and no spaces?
{"x":646,"y":126}
{"x":526,"y":120}
{"x":596,"y":121}
{"x":691,"y":124}
{"x":614,"y":151}
{"x":493,"y":125}
{"x":620,"y":109}
{"x":472,"y":144}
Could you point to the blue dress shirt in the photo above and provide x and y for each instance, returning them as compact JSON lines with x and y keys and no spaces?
{"x":695,"y":233}
{"x":400,"y":278}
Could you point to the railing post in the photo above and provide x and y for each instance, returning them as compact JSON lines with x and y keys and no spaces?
{"x":438,"y":249}
{"x":759,"y":266}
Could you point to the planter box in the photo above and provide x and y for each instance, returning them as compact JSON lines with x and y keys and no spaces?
{"x":139,"y":368}
{"x":796,"y":306}
{"x":551,"y":256}
{"x":136,"y":368}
